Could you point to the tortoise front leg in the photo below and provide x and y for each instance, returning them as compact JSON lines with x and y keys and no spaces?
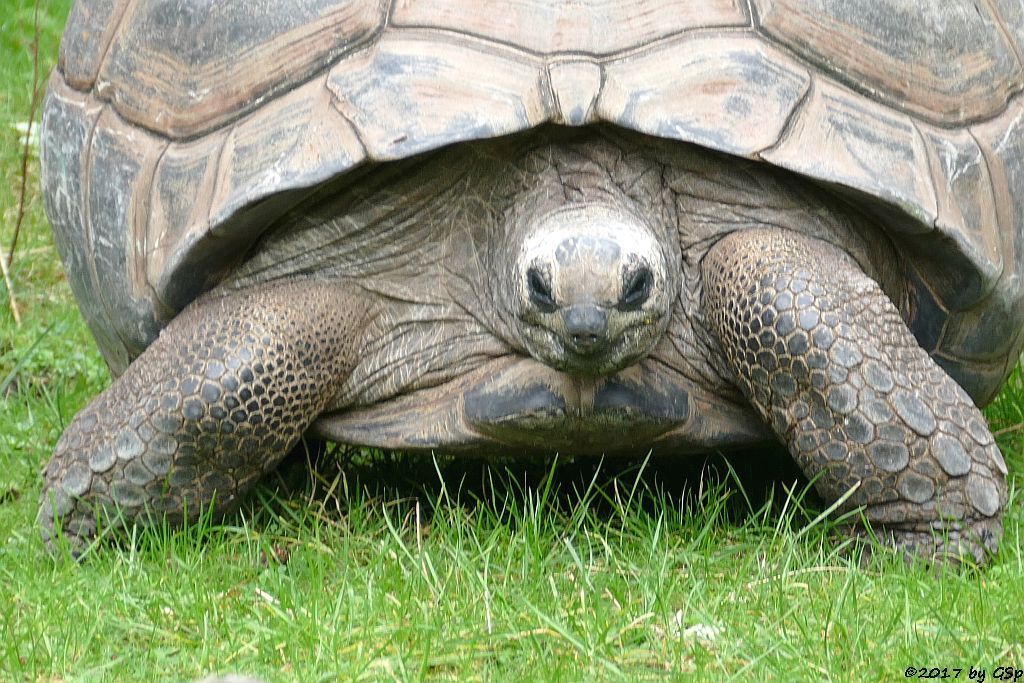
{"x":827,"y":361}
{"x":213,"y":404}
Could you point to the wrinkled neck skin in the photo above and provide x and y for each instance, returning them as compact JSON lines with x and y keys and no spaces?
{"x":570,"y":255}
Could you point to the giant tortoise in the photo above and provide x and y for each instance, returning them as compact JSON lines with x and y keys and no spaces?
{"x":597,"y":226}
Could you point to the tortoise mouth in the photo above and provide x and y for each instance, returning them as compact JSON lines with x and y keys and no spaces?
{"x":586,"y":353}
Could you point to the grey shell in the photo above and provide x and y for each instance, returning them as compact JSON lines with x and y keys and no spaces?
{"x":175,"y":132}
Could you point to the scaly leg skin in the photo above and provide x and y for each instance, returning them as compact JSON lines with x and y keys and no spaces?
{"x":212,"y":405}
{"x":824,"y":357}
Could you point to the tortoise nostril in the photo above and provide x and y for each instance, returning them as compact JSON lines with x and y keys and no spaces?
{"x":586,"y":327}
{"x":585,"y":340}
{"x":637,"y":289}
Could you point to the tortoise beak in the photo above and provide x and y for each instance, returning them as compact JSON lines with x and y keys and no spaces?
{"x":586,"y":328}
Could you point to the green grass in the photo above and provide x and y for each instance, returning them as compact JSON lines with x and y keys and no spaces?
{"x":404,"y":568}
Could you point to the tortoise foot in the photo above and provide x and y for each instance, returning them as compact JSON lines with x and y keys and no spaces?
{"x":955,"y":543}
{"x":212,"y":405}
{"x":827,"y":361}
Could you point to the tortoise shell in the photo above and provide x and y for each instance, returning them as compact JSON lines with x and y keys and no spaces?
{"x":176,"y":131}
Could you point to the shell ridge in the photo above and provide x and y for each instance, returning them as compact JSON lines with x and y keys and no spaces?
{"x":929,"y":154}
{"x":140,"y":257}
{"x":469,"y":38}
{"x":988,"y":171}
{"x":970,"y":235}
{"x":86,"y":172}
{"x":356,"y":133}
{"x":121,"y":12}
{"x":110,"y":40}
{"x":752,"y":15}
{"x":1004,"y":30}
{"x":122,"y":164}
{"x":547,"y":83}
{"x":574,"y":96}
{"x":389,"y":15}
{"x":149,"y":249}
{"x":218,"y":174}
{"x":1006,"y":214}
{"x":791,"y":119}
{"x":671,"y":40}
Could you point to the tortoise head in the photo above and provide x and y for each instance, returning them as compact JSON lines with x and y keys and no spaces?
{"x":593,"y":288}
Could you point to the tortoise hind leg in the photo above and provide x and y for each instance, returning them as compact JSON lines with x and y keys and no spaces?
{"x":214,"y":403}
{"x":825,"y":358}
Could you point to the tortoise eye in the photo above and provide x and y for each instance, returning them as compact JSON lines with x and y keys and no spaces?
{"x":637,"y":289}
{"x":540,"y":290}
